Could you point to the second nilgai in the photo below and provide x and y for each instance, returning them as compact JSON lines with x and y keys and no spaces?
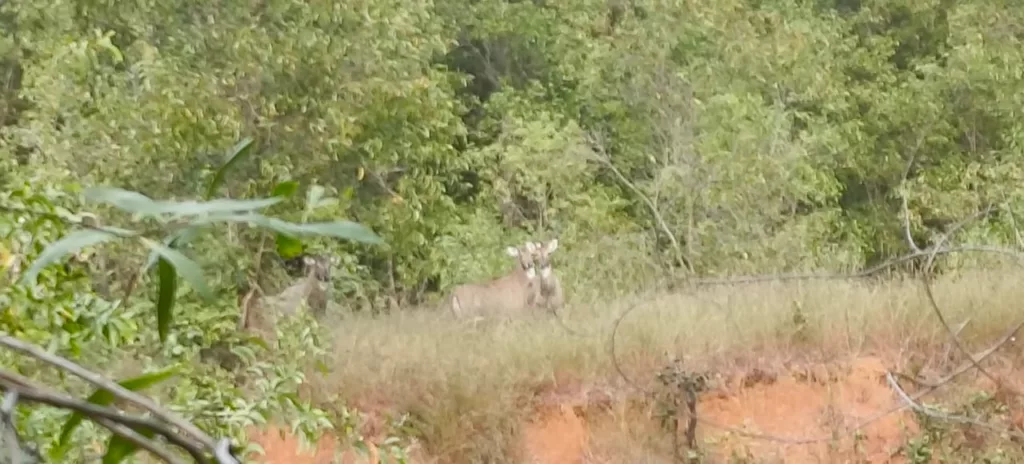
{"x":550,"y":295}
{"x":505,"y":296}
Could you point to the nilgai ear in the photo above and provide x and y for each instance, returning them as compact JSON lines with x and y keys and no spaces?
{"x":552,"y":245}
{"x":512,"y":251}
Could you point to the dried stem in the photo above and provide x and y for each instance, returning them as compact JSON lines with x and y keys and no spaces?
{"x":194,"y":437}
{"x":116,"y":421}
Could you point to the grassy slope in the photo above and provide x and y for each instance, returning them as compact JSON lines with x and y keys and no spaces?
{"x":470,"y":387}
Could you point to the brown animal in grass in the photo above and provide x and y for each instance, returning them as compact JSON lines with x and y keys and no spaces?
{"x":505,"y":296}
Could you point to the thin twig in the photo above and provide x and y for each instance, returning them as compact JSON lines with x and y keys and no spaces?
{"x":903,"y":195}
{"x":935,"y":250}
{"x":137,"y":439}
{"x":115,"y":421}
{"x":118,"y":391}
{"x":605,"y":159}
{"x":930,"y":412}
{"x":949,"y":349}
{"x":926,"y":282}
{"x":1013,"y":224}
{"x":15,"y":449}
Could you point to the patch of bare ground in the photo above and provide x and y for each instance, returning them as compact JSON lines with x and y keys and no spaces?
{"x":804,"y":363}
{"x":823,"y":403}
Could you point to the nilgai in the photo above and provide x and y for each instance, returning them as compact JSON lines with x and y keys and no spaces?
{"x":505,"y":296}
{"x":313,"y":289}
{"x":261,"y":314}
{"x":550,"y":297}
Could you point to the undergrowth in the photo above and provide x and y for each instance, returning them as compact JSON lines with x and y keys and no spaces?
{"x":467,"y":388}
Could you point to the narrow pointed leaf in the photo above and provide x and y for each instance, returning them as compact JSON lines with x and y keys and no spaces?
{"x":231,"y":158}
{"x":184,"y":266}
{"x":176,"y":240}
{"x":67,"y":245}
{"x":103,"y":398}
{"x":133,"y":202}
{"x":118,"y":449}
{"x":165,"y":298}
{"x":137,"y":203}
{"x":285,"y":189}
{"x":220,"y":205}
{"x":339,"y":229}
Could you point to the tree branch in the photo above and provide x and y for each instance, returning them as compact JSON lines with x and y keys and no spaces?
{"x":115,"y":421}
{"x":193,"y":432}
{"x":598,"y":146}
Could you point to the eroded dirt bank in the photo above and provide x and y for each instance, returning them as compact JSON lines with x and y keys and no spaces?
{"x":810,"y":410}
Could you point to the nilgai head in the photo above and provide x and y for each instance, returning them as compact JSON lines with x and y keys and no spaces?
{"x":504,"y":296}
{"x":550,"y":289}
{"x":319,"y":266}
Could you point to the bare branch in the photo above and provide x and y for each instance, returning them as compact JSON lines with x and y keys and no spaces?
{"x":926,"y":281}
{"x":16,"y":451}
{"x":930,"y":412}
{"x":1016,"y":230}
{"x":193,"y":432}
{"x":903,"y":200}
{"x":949,"y":350}
{"x":939,"y":248}
{"x":137,"y":439}
{"x":598,"y":146}
{"x":903,"y":194}
{"x":115,"y":421}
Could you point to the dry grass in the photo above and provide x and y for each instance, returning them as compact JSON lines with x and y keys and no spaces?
{"x":470,"y":388}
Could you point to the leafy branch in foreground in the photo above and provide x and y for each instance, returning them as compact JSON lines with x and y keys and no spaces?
{"x":187,"y":219}
{"x":165,"y":228}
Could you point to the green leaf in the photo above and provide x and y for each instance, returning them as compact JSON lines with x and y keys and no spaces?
{"x":222,"y":205}
{"x":67,"y":245}
{"x":137,"y":203}
{"x":288,"y":247}
{"x":325,"y":203}
{"x":314,"y":195}
{"x":103,"y":397}
{"x":285,"y":189}
{"x":165,"y":298}
{"x":177,"y":240}
{"x":184,"y":266}
{"x":127,"y":200}
{"x":232,"y":157}
{"x":339,"y":229}
{"x":118,"y":449}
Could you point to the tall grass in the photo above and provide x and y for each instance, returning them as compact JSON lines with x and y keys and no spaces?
{"x":469,"y":387}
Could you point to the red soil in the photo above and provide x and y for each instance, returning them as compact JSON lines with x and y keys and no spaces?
{"x":815,"y":402}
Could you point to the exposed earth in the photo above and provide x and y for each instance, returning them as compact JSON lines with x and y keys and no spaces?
{"x":810,"y":410}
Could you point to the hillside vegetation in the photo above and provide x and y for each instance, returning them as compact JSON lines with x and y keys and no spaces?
{"x":661,"y":142}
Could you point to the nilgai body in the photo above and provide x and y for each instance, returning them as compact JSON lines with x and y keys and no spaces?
{"x":506,"y":296}
{"x":550,"y":295}
{"x":261,"y":314}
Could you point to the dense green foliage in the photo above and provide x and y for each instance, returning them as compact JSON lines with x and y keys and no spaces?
{"x":655,"y":139}
{"x":763,"y":135}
